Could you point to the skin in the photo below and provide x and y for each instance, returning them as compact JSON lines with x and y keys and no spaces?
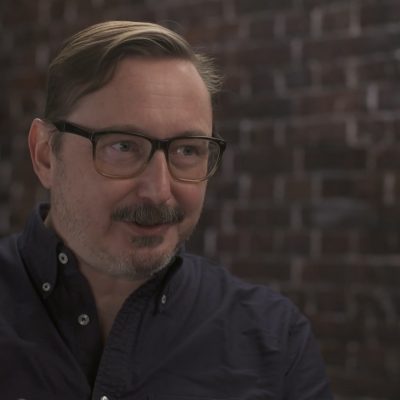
{"x":160,"y":98}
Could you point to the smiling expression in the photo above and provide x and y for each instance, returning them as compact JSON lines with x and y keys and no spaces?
{"x":161,"y":98}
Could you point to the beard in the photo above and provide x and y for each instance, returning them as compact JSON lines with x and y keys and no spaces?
{"x":140,"y":260}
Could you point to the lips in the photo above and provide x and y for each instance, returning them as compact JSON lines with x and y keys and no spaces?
{"x":147,"y":229}
{"x":147,"y":215}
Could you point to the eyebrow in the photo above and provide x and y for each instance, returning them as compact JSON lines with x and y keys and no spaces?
{"x":135,"y":129}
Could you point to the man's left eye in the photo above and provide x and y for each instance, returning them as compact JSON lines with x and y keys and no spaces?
{"x":188,"y":150}
{"x":124,"y":146}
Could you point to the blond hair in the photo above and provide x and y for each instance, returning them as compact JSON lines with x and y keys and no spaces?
{"x":87,"y":60}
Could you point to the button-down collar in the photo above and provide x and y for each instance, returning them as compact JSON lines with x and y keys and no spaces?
{"x":39,"y":263}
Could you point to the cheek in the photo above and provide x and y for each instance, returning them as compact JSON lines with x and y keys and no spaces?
{"x":191,"y":198}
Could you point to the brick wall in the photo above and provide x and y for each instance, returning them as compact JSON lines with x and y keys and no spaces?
{"x":308,"y":196}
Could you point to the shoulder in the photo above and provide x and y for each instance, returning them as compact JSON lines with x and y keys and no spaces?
{"x":9,"y":253}
{"x":216,"y":285}
{"x":12,"y":271}
{"x":215,"y":274}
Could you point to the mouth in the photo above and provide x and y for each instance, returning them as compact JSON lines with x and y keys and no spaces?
{"x":148,"y":229}
{"x":149,"y":215}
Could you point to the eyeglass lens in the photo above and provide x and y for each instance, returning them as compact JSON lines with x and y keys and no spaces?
{"x":122,"y":155}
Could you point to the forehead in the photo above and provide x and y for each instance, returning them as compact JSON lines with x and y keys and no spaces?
{"x":149,"y":93}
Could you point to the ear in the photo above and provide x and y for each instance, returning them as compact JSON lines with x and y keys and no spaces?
{"x":41,"y":152}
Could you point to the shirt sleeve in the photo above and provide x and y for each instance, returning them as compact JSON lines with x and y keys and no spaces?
{"x":305,"y":377}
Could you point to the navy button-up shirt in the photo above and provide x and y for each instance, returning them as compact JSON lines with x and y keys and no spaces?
{"x":192,"y":332}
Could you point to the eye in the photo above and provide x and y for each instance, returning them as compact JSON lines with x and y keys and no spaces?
{"x":188,"y":150}
{"x":115,"y":147}
{"x":125,"y":146}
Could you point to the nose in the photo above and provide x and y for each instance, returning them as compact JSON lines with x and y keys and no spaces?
{"x":154,"y":183}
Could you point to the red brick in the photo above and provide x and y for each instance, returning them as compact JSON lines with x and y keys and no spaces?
{"x":324,"y":272}
{"x":381,"y":70}
{"x":258,"y":241}
{"x":379,"y":241}
{"x":336,"y":19}
{"x":257,"y":6}
{"x":323,"y":132}
{"x":396,"y":130}
{"x":29,"y":81}
{"x":267,"y":161}
{"x":389,"y":332}
{"x":350,"y":46}
{"x":234,"y":81}
{"x":262,"y":188}
{"x":230,"y":132}
{"x":345,"y":330}
{"x":232,"y":242}
{"x":56,"y":10}
{"x":293,"y":243}
{"x":297,"y":77}
{"x":389,"y":97}
{"x":268,"y":270}
{"x":347,"y":274}
{"x":367,"y":306}
{"x":262,"y":27}
{"x":383,"y":275}
{"x":364,"y":187}
{"x":297,"y":189}
{"x":218,"y":186}
{"x":298,"y":296}
{"x":262,"y":82}
{"x":236,"y":108}
{"x":268,"y":54}
{"x":328,"y":103}
{"x":217,"y":33}
{"x":332,"y":75}
{"x":364,"y":385}
{"x":262,"y":136}
{"x":379,"y":13}
{"x":388,"y":216}
{"x":334,"y":353}
{"x":185,"y":13}
{"x":338,"y":158}
{"x":267,"y":217}
{"x":388,"y":157}
{"x":12,"y":17}
{"x":297,"y":23}
{"x":336,"y":242}
{"x":374,"y":130}
{"x":331,"y":301}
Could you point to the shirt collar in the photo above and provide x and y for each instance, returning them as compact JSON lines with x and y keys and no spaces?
{"x":40,"y":248}
{"x":43,"y":252}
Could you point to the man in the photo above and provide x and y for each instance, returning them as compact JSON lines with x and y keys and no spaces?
{"x":99,"y":300}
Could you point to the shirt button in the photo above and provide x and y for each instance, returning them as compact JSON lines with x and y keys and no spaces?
{"x":104,"y":398}
{"x":46,"y":287}
{"x":83,"y":319}
{"x":63,"y":258}
{"x":163,"y":299}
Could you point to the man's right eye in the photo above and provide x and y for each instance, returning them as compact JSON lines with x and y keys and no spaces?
{"x":125,"y":146}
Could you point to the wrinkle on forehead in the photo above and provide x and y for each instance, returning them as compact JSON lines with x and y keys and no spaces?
{"x":150,"y":94}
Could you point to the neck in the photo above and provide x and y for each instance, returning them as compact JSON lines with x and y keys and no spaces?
{"x":109,"y":293}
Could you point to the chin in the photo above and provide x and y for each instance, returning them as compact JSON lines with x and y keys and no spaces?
{"x":141,"y":265}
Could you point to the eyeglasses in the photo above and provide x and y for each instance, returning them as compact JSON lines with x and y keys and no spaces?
{"x":118,"y":154}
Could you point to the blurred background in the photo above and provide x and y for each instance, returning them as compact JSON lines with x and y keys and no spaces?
{"x":307,"y":200}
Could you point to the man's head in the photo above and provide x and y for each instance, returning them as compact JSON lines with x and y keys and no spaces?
{"x":131,"y":78}
{"x":87,"y":60}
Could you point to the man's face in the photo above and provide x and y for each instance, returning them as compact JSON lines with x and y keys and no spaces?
{"x":163,"y":99}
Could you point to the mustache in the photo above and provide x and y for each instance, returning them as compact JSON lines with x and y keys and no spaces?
{"x":148,"y":214}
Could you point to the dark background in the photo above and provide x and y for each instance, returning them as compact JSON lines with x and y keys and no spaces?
{"x":307,"y":200}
